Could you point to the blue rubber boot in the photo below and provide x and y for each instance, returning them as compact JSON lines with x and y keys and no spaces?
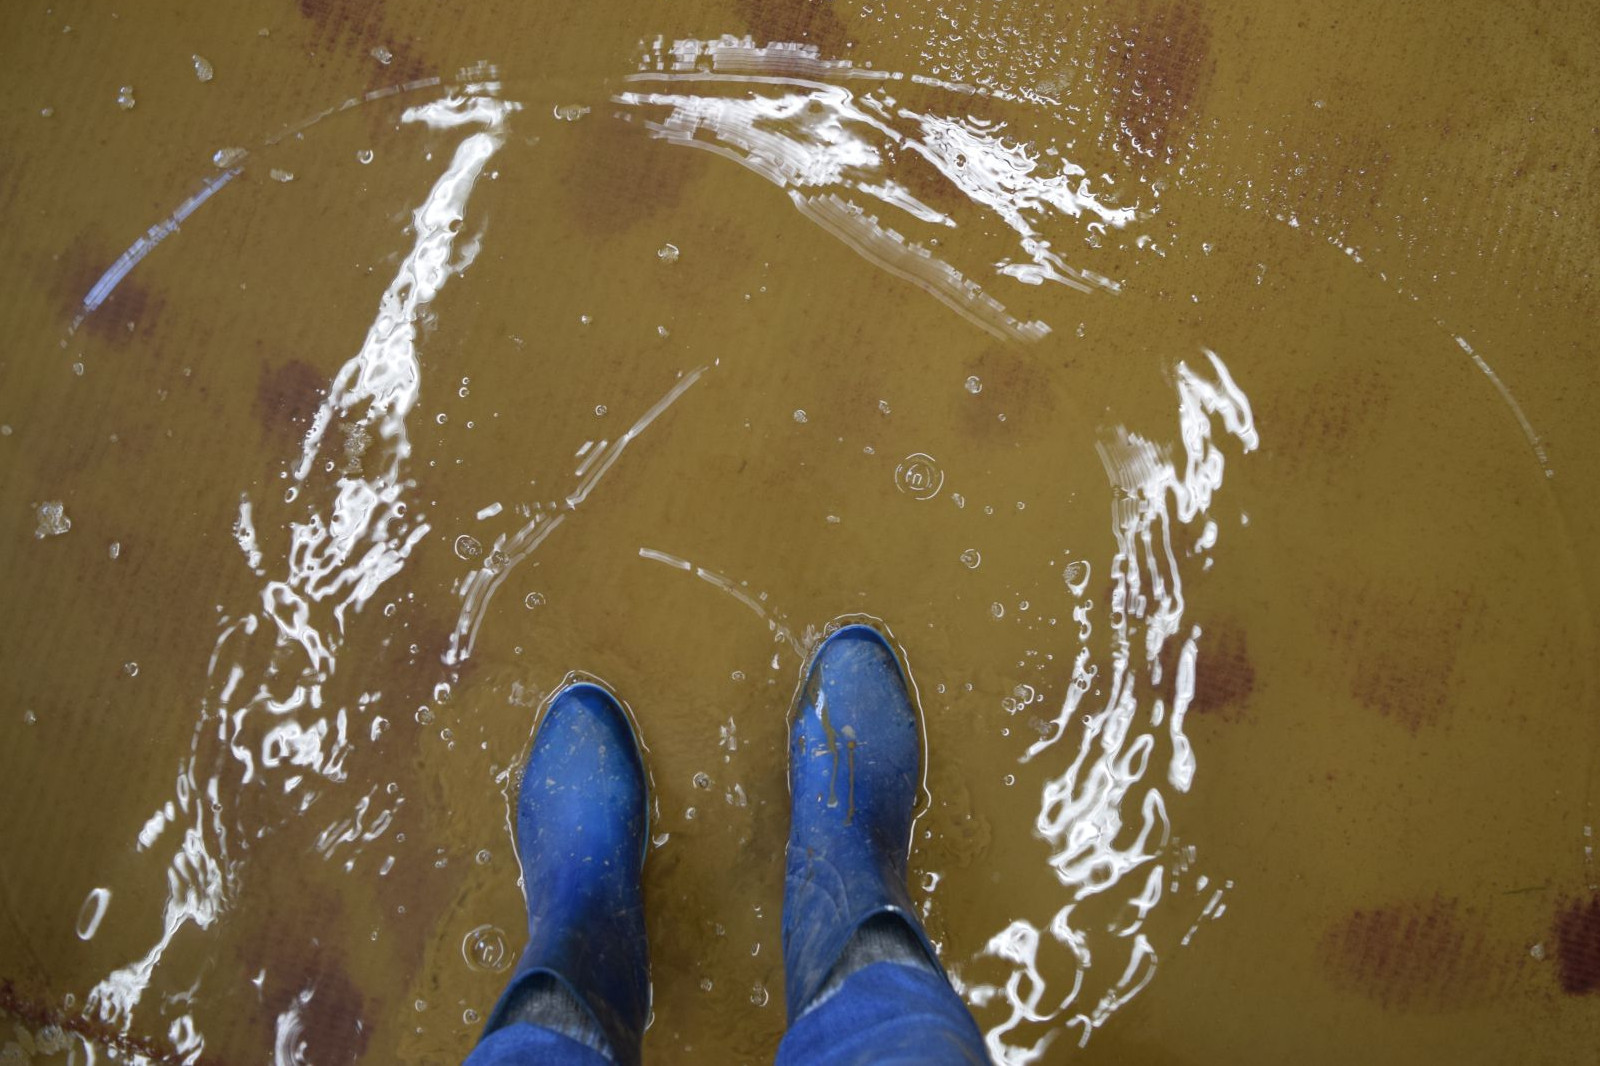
{"x":581,"y":835}
{"x":855,"y":762}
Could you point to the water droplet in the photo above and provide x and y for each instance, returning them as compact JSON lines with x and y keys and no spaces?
{"x":364,"y":156}
{"x":227,"y":157}
{"x":600,"y":410}
{"x":278,"y":174}
{"x":467,"y":547}
{"x":115,"y":549}
{"x":705,"y":984}
{"x":202,"y":67}
{"x":421,"y":1005}
{"x":569,"y":112}
{"x":883,"y":406}
{"x":125,"y":98}
{"x":801,"y":417}
{"x":469,"y":1016}
{"x":997,"y":609}
{"x":974,"y":385}
{"x":131,"y":669}
{"x":667,"y":253}
{"x":29,"y":718}
{"x":52,"y":519}
{"x":424,"y":715}
{"x":1076,"y":575}
{"x":919,"y":476}
{"x":584,"y":319}
{"x":532,"y":600}
{"x":702,"y":780}
{"x":759,"y":994}
{"x":971,"y":558}
{"x":484,"y":857}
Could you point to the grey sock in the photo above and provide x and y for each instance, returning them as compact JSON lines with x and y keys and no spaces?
{"x":882,"y":938}
{"x":545,"y":1002}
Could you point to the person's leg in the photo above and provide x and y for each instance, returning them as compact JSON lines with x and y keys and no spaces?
{"x":581,"y":992}
{"x":863,"y":982}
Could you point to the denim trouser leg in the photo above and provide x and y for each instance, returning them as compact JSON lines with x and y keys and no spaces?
{"x":886,"y":1013}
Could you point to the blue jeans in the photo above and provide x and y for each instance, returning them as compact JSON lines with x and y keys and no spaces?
{"x":885,"y":1013}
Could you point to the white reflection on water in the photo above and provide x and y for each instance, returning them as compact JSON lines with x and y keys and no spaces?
{"x":844,"y":141}
{"x":1106,"y":813}
{"x":276,"y":721}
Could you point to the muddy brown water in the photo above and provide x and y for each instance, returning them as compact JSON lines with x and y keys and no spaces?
{"x":1200,"y":393}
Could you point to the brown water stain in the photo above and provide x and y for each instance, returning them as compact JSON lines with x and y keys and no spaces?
{"x":1405,"y":650}
{"x":1156,"y":67}
{"x":804,"y":21}
{"x":614,"y":176}
{"x":36,"y":1013}
{"x":287,"y":397}
{"x":1415,"y":955}
{"x":1224,"y":675}
{"x":355,"y":29}
{"x":131,"y":310}
{"x":1577,"y":936}
{"x":1018,"y":383}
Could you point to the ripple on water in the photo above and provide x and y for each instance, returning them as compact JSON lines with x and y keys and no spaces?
{"x":484,"y":949}
{"x":919,"y":476}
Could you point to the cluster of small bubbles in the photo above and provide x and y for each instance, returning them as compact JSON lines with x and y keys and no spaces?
{"x":364,"y":156}
{"x":131,"y":669}
{"x":464,"y":391}
{"x":800,"y":416}
{"x":532,"y":600}
{"x":667,"y":253}
{"x":424,"y":715}
{"x":382,"y":55}
{"x":662,"y":331}
{"x":51,"y":518}
{"x":974,"y":384}
{"x":971,"y":558}
{"x":919,"y":476}
{"x":705,"y":984}
{"x":702,"y":780}
{"x":483,"y":857}
{"x":125,"y":98}
{"x":468,"y":547}
{"x":958,"y":499}
{"x":883,"y":406}
{"x":498,"y":560}
{"x":600,"y":410}
{"x":997,"y":609}
{"x":202,"y":67}
{"x":569,"y":112}
{"x":1076,"y":575}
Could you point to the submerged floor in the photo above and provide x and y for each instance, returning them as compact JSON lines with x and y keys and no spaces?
{"x":1199,"y":393}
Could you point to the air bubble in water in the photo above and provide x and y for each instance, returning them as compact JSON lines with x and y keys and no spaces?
{"x":278,"y":174}
{"x":1076,"y":575}
{"x":667,"y":253}
{"x":364,"y":156}
{"x":997,"y":609}
{"x":202,"y":67}
{"x":125,"y":98}
{"x":52,"y":519}
{"x":702,"y":780}
{"x":801,"y":417}
{"x":569,"y":112}
{"x":919,"y":476}
{"x":382,"y":55}
{"x":971,"y":558}
{"x":131,"y":669}
{"x":468,"y":547}
{"x":484,"y":857}
{"x":227,"y":157}
{"x":974,"y":385}
{"x":532,"y":600}
{"x":759,"y":994}
{"x":600,"y":410}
